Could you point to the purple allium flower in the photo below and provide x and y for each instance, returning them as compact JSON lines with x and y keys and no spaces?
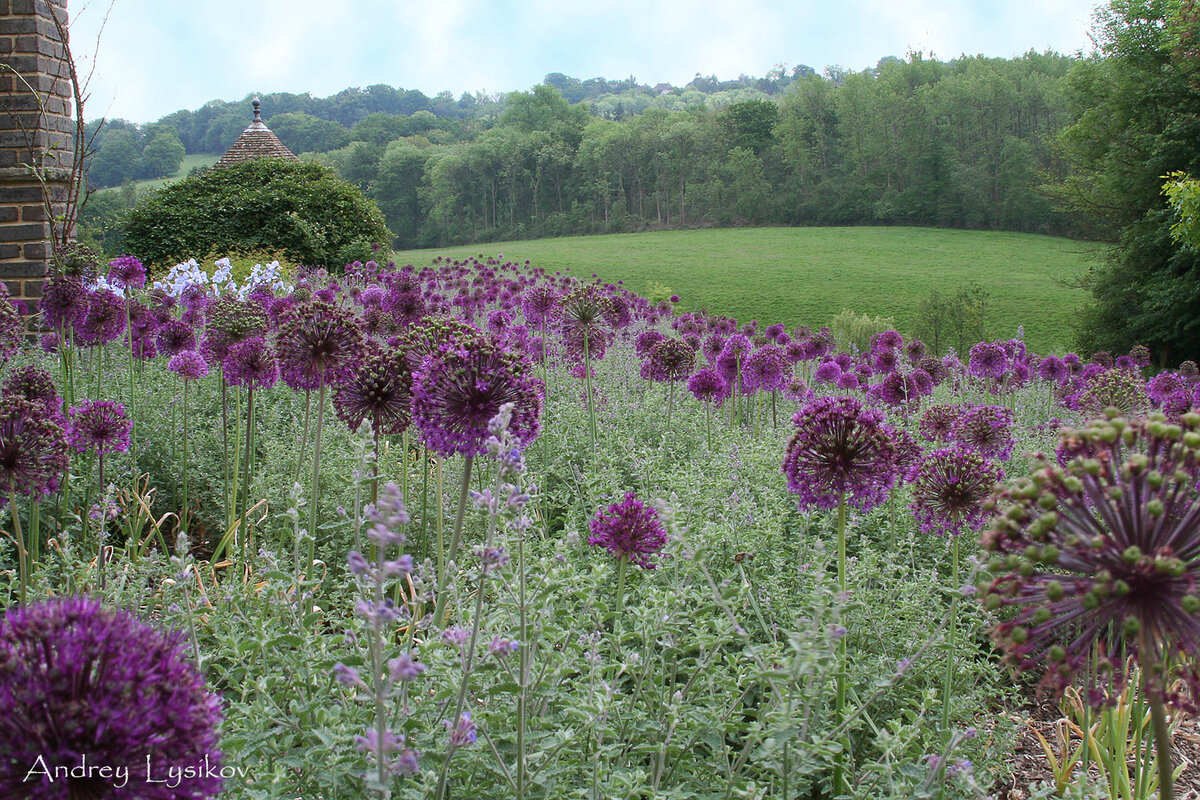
{"x":379,"y":390}
{"x":766,"y":369}
{"x":37,"y":386}
{"x":629,"y":530}
{"x":988,"y":360}
{"x":1054,"y":370}
{"x":670,"y":360}
{"x":457,"y":391}
{"x":1102,"y":557}
{"x":174,"y":336}
{"x":99,"y":424}
{"x":841,"y":450}
{"x":126,"y":272}
{"x":49,"y":343}
{"x":886,"y":340}
{"x":713,"y":346}
{"x":915,"y":350}
{"x":708,"y":387}
{"x":1140,"y":355}
{"x":949,"y":489}
{"x":797,"y":391}
{"x":848,"y":381}
{"x":937,"y":422}
{"x":188,"y":364}
{"x":103,"y":319}
{"x":540,"y":304}
{"x":33,"y":450}
{"x":1189,"y":371}
{"x":885,"y":361}
{"x":230,"y":321}
{"x":645,"y":342}
{"x":63,"y":302}
{"x":81,"y":680}
{"x":987,"y":430}
{"x":251,"y":364}
{"x":1127,"y":363}
{"x":1162,"y":386}
{"x":318,"y":345}
{"x":828,"y":372}
{"x":585,"y":318}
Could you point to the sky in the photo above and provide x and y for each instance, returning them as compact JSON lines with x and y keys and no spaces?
{"x":148,"y":58}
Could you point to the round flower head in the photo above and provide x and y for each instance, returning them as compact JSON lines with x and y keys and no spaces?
{"x":988,"y":360}
{"x":708,"y":387}
{"x":937,"y":422}
{"x":645,"y":342}
{"x":987,"y":430}
{"x":949,"y":489}
{"x":766,"y":369}
{"x":629,"y":530}
{"x":1189,"y":371}
{"x":828,"y":372}
{"x":585,"y":318}
{"x":540,"y":304}
{"x":175,"y":336}
{"x":671,"y":360}
{"x":103,"y":319}
{"x":63,"y":302}
{"x":457,"y":391}
{"x":37,"y":386}
{"x":379,"y":390}
{"x":99,"y":424}
{"x":1140,"y":355}
{"x":713,"y":346}
{"x":1121,"y":389}
{"x":78,"y":680}
{"x":318,"y":345}
{"x":915,"y":350}
{"x":848,"y":381}
{"x":230,"y":321}
{"x":33,"y":450}
{"x":126,"y":272}
{"x":1102,"y":557}
{"x":797,"y":391}
{"x":841,"y":450}
{"x":1053,"y":369}
{"x":188,"y":365}
{"x":251,"y":364}
{"x":1162,"y":386}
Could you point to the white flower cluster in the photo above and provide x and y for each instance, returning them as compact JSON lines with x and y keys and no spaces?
{"x":101,"y":284}
{"x":190,"y":273}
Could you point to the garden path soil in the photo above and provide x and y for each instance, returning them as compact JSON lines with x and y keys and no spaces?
{"x":1029,"y":761}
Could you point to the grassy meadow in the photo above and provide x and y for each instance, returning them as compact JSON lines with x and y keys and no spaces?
{"x":809,"y":275}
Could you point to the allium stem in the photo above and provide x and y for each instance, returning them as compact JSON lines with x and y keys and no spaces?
{"x":622,"y":568}
{"x":19,"y":538}
{"x":1158,"y":720}
{"x":455,"y":539}
{"x":224,"y":439}
{"x":103,"y":517}
{"x":951,"y":636}
{"x":841,"y":783}
{"x":587,"y":377}
{"x":183,"y":518}
{"x":246,"y":479}
{"x":314,"y":517}
{"x":303,"y":437}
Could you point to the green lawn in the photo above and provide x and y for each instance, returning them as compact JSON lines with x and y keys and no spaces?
{"x":809,"y":275}
{"x":189,"y":163}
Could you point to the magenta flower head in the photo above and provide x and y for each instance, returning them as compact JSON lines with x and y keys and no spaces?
{"x":188,"y":364}
{"x":938,"y":421}
{"x":319,"y":344}
{"x":458,"y":390}
{"x":126,"y":272}
{"x":630,"y":531}
{"x":986,"y":430}
{"x":33,"y":450}
{"x":1102,"y":558}
{"x":175,"y":336}
{"x":708,"y":387}
{"x":841,"y":450}
{"x":988,"y":360}
{"x":103,"y":319}
{"x":670,"y":360}
{"x":540,"y":304}
{"x":767,"y":369}
{"x":81,"y":681}
{"x":100,"y":425}
{"x":37,"y":386}
{"x":586,"y":319}
{"x":949,"y":489}
{"x":64,"y":301}
{"x":379,"y":391}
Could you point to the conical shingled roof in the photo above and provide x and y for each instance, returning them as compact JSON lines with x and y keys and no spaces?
{"x":256,"y":141}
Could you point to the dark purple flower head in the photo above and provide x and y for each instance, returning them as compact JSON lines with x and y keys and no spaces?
{"x":1140,"y":355}
{"x":797,"y":391}
{"x":49,"y":343}
{"x":230,"y":321}
{"x":1054,"y":370}
{"x":645,"y":341}
{"x":80,"y":680}
{"x":915,"y":350}
{"x":886,"y":340}
{"x":100,"y":425}
{"x":841,"y":450}
{"x":1189,"y":371}
{"x":188,"y":364}
{"x":175,"y":336}
{"x":708,"y":387}
{"x":1101,"y":559}
{"x":586,"y":320}
{"x":126,"y":272}
{"x":458,"y":390}
{"x":34,"y":384}
{"x":988,"y":360}
{"x":1162,"y":386}
{"x":884,"y":361}
{"x":713,"y":346}
{"x":1121,"y":389}
{"x":250,"y":364}
{"x":33,"y":450}
{"x":319,"y":345}
{"x":987,"y":430}
{"x":63,"y":302}
{"x":540,"y":304}
{"x":379,"y":391}
{"x":1102,"y":358}
{"x":937,"y":422}
{"x":670,"y":360}
{"x":629,"y":530}
{"x":103,"y":319}
{"x":949,"y":488}
{"x":848,"y":381}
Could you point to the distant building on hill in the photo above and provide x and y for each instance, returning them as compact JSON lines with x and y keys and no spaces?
{"x":257,"y":141}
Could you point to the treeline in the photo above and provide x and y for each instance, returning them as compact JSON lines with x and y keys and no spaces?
{"x":964,"y":143}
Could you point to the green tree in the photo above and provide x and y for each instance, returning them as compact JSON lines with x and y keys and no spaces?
{"x":396,"y":188}
{"x":1136,"y":118}
{"x":302,"y":210}
{"x":116,"y":159}
{"x":162,"y":155}
{"x":304,"y":133}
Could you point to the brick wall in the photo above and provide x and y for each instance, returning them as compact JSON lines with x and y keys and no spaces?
{"x":35,"y":129}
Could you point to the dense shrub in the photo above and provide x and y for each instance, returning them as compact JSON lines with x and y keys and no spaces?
{"x":299,"y":209}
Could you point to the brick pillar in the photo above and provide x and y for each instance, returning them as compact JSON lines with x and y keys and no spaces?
{"x":36,"y":129}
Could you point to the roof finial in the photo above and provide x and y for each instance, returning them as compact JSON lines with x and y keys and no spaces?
{"x":257,"y":114}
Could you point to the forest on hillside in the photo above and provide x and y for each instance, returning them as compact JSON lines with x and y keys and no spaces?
{"x":961,"y":143}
